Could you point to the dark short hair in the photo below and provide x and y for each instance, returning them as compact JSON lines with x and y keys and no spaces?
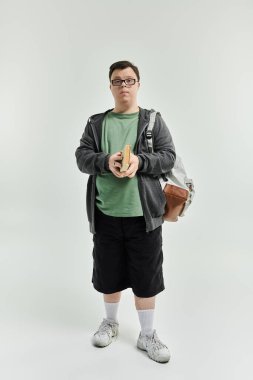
{"x":123,"y":65}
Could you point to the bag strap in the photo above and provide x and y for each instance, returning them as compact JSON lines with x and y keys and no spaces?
{"x":149,"y":130}
{"x":149,"y":135}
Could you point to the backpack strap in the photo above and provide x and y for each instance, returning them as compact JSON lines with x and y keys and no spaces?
{"x":149,"y":135}
{"x":149,"y":129}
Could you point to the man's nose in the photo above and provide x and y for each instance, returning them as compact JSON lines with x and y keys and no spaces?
{"x":123,"y":83}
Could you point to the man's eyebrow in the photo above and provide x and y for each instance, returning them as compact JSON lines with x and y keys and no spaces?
{"x":118,"y":77}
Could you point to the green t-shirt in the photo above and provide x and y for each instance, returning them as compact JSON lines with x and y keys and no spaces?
{"x":118,"y":196}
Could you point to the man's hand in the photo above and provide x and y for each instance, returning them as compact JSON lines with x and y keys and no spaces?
{"x":114,"y":165}
{"x":133,"y":167}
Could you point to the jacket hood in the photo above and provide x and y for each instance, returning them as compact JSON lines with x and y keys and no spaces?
{"x":97,"y":119}
{"x":143,"y":114}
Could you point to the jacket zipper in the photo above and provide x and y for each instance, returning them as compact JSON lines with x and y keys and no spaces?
{"x":135,"y":151}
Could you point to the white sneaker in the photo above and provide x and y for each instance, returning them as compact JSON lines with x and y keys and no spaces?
{"x":107,"y":332}
{"x":155,"y":348}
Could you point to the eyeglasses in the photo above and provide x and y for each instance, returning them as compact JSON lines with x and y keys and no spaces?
{"x":128,"y":82}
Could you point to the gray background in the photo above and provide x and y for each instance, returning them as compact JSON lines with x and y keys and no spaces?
{"x":196,"y":66}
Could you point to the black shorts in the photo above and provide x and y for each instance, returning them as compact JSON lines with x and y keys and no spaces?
{"x":126,"y":256}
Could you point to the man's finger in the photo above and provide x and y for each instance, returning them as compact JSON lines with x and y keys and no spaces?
{"x":130,"y":170}
{"x":117,"y":173}
{"x":132,"y":174}
{"x":118,"y":155}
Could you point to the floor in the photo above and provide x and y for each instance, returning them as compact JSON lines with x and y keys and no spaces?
{"x":204,"y":344}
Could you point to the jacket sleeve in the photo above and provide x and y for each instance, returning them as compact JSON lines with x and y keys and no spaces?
{"x":88,"y":160}
{"x":164,"y":155}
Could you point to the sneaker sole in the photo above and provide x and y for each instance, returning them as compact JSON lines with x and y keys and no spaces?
{"x":158,"y":361}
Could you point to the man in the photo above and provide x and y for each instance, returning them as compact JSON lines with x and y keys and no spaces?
{"x":125,"y":209}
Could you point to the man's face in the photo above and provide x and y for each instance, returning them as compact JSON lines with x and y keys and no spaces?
{"x":124,"y":94}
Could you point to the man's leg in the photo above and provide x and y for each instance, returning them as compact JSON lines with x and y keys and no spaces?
{"x":108,"y":329}
{"x":144,"y":303}
{"x":148,"y":339}
{"x":113,"y":297}
{"x":145,"y":308}
{"x":111,"y":302}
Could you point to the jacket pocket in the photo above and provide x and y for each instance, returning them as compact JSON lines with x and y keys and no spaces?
{"x":154,"y":196}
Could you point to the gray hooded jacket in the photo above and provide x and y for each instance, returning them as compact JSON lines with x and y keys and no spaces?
{"x":91,"y":160}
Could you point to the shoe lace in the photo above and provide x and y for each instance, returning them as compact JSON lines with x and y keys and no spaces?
{"x":105,"y":327}
{"x":155,"y":343}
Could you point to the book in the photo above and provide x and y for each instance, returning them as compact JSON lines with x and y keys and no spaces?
{"x":125,"y":158}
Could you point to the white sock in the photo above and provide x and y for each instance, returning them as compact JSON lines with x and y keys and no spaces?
{"x":146,"y":318}
{"x":111,"y":309}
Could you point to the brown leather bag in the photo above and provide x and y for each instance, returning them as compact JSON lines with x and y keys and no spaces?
{"x":176,"y":198}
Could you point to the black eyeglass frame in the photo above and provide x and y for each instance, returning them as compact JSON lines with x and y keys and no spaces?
{"x":124,"y":80}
